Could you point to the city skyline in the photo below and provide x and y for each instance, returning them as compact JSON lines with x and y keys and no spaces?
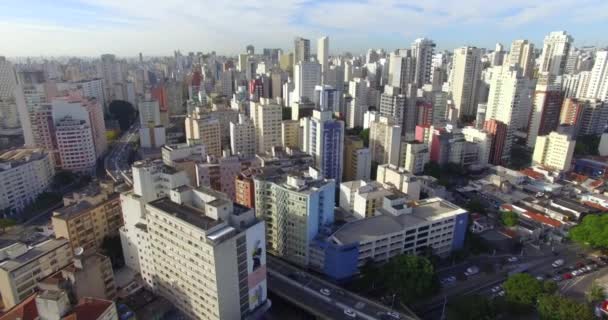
{"x":91,"y":27}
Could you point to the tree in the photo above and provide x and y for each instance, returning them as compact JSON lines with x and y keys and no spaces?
{"x":112,"y":247}
{"x":509,"y":218}
{"x":409,"y":277}
{"x":473,"y":307}
{"x":124,"y":112}
{"x":522,"y":290}
{"x":364,"y":135}
{"x":432,"y":169}
{"x":587,"y":145}
{"x":592,"y":231}
{"x":549,"y":287}
{"x":476,"y":206}
{"x":552,"y":307}
{"x":596,"y":293}
{"x":6,"y":223}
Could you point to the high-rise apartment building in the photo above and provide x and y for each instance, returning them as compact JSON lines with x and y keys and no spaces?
{"x":290,"y":134}
{"x":307,"y":75}
{"x":219,"y":173}
{"x":585,"y":116}
{"x":385,"y":141}
{"x":111,"y":70}
{"x":25,"y":174}
{"x":522,"y":55}
{"x":556,"y":47}
{"x":204,"y":129}
{"x":401,"y":68}
{"x":207,"y":254}
{"x":323,"y":54}
{"x":422,"y":51}
{"x":267,"y":117}
{"x":554,"y":151}
{"x":392,"y":104}
{"x":242,"y":137}
{"x":546,"y":106}
{"x":414,"y":156}
{"x":9,"y":113}
{"x":323,"y":138}
{"x":301,"y":50}
{"x":357,"y":159}
{"x":280,"y":196}
{"x":509,"y":94}
{"x":465,"y":74}
{"x":498,"y":132}
{"x":359,"y":90}
{"x":93,"y":88}
{"x":598,"y":81}
{"x":149,"y":112}
{"x":327,"y":98}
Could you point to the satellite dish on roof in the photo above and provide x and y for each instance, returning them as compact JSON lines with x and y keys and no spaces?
{"x":78,"y":251}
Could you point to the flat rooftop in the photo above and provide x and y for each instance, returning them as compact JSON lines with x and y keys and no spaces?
{"x":16,"y":157}
{"x":188,"y":214}
{"x":33,"y":253}
{"x":385,"y":223}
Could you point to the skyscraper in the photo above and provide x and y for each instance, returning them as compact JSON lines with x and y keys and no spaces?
{"x":546,"y":106}
{"x":323,"y":55}
{"x":509,"y":94}
{"x":9,"y":113}
{"x":266,"y":116}
{"x":301,"y":50}
{"x":392,"y":104}
{"x":422,"y":51}
{"x":598,"y":82}
{"x":466,"y":72}
{"x":324,"y":140}
{"x":307,"y":75}
{"x":327,"y":98}
{"x":522,"y":55}
{"x":242,"y":137}
{"x":555,"y":52}
{"x":401,"y":69}
{"x":385,"y":141}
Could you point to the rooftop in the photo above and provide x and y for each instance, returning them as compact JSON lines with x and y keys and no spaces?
{"x":188,"y":214}
{"x":385,"y":223}
{"x":16,"y":157}
{"x":26,"y":310}
{"x":89,"y":308}
{"x":33,"y":253}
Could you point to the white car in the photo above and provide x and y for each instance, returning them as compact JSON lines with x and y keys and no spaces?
{"x":576,"y":273}
{"x":496,"y":289}
{"x":394,"y":315}
{"x":350,"y":313}
{"x":325,"y":292}
{"x":501,"y":293}
{"x":513,"y":259}
{"x":557,"y":263}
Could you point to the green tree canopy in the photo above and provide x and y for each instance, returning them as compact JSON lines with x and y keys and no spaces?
{"x":509,"y":218}
{"x":476,"y":206}
{"x":432,"y":169}
{"x":473,"y":307}
{"x":552,"y":307}
{"x":522,"y":290}
{"x":596,"y":293}
{"x":410,"y":277}
{"x":592,"y":231}
{"x":6,"y":223}
{"x":364,"y":135}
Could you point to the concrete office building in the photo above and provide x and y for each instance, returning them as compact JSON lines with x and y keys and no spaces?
{"x":323,"y":138}
{"x":414,"y":156}
{"x":323,"y":54}
{"x":402,"y":227}
{"x":393,"y":177}
{"x":359,"y":91}
{"x":385,"y":141}
{"x":306,"y":75}
{"x":522,"y":55}
{"x":267,"y":117}
{"x":357,"y":159}
{"x":279,"y":196}
{"x":220,"y":253}
{"x":25,"y":174}
{"x":242,"y":137}
{"x":88,"y":216}
{"x":401,"y":69}
{"x":327,"y":98}
{"x":22,"y":266}
{"x":361,"y":198}
{"x":556,"y":47}
{"x":393,"y":104}
{"x":465,"y":74}
{"x":554,"y":151}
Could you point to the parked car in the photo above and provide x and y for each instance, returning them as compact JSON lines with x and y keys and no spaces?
{"x":473,"y":270}
{"x":513,"y":259}
{"x":567,"y":276}
{"x":325,"y":291}
{"x":496,"y":289}
{"x":350,"y":313}
{"x":557,"y":263}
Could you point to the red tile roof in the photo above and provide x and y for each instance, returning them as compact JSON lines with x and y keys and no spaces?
{"x":26,"y":310}
{"x":595,"y":205}
{"x":89,"y":309}
{"x":532,"y":174}
{"x":542,"y":219}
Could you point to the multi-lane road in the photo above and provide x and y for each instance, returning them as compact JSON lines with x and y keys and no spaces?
{"x":117,"y":161}
{"x":322,"y":298}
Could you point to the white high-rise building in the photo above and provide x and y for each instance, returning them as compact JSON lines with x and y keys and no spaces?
{"x":358,"y":89}
{"x":279,"y":197}
{"x":392,"y":104}
{"x":307,"y":75}
{"x":301,"y":50}
{"x":9,"y":113}
{"x":323,"y":139}
{"x":401,"y":69}
{"x":93,"y":88}
{"x":555,"y":52}
{"x":242,"y":137}
{"x":385,"y":141}
{"x":522,"y":55}
{"x":554,"y":151}
{"x":415,"y":156}
{"x":149,"y":112}
{"x":323,"y":55}
{"x":327,"y":98}
{"x":598,"y":82}
{"x":204,"y":129}
{"x":465,"y":74}
{"x":267,"y":116}
{"x":509,"y":94}
{"x":422,"y":51}
{"x":483,"y":140}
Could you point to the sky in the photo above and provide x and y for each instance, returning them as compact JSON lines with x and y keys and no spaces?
{"x":157,"y":27}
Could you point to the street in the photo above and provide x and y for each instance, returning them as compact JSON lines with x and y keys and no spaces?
{"x":116,"y":161}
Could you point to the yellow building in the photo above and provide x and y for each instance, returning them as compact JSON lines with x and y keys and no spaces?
{"x":357,"y":159}
{"x":88,"y":217}
{"x":290,"y":132}
{"x":554,"y":151}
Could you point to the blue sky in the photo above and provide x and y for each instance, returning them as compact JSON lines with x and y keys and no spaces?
{"x":157,"y":27}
